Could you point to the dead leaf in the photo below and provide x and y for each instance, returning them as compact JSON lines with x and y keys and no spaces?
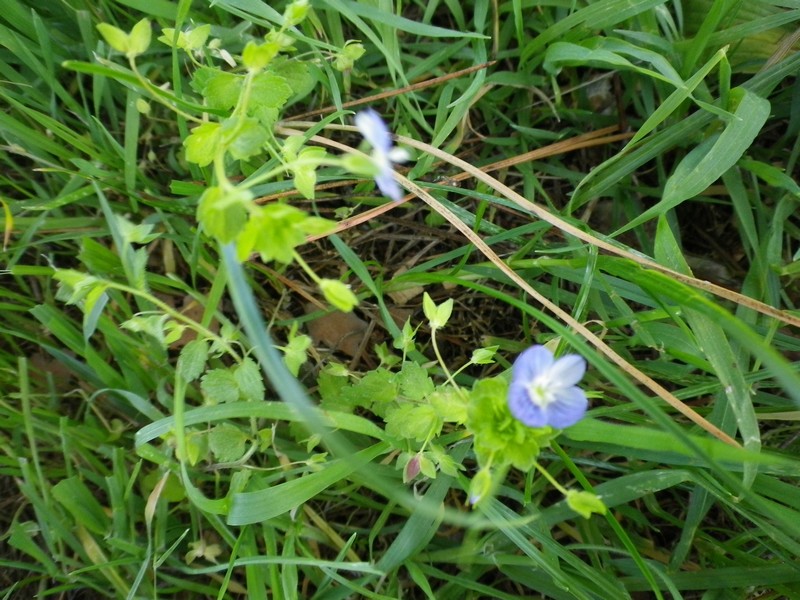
{"x":341,"y":332}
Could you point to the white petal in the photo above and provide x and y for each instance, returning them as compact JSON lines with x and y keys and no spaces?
{"x":399,"y":155}
{"x":567,"y":371}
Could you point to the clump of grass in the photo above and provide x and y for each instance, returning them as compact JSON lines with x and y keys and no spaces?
{"x":614,"y":180}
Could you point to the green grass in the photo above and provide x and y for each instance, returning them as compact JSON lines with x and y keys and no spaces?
{"x":135,"y":463}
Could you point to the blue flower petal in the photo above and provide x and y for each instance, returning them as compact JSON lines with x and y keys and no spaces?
{"x":383,"y":154}
{"x":531,"y":363}
{"x":521,"y":407}
{"x":374,"y":130}
{"x":568,"y":409}
{"x":568,"y":370}
{"x":389,"y":186}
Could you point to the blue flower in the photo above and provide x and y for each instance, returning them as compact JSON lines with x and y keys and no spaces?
{"x":384,"y":154}
{"x":543,"y":390}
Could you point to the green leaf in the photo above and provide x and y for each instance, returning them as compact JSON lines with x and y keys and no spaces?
{"x":266,"y":504}
{"x":133,"y":233}
{"x":636,"y":441}
{"x":81,"y":503}
{"x":223,"y":214}
{"x":375,"y":389}
{"x":292,"y":146}
{"x":22,"y":537}
{"x":405,"y":342}
{"x":675,"y":99}
{"x":712,"y":158}
{"x":585,"y":503}
{"x":415,"y":27}
{"x":608,"y":53}
{"x":273,"y":231}
{"x":220,"y":89}
{"x":295,"y":353}
{"x":771,"y":175}
{"x":269,"y":91}
{"x":249,"y":381}
{"x":152,"y":325}
{"x":219,"y":386}
{"x":330,"y":385}
{"x":305,"y":180}
{"x":450,"y":403}
{"x":305,"y":169}
{"x":413,"y":422}
{"x":167,"y":36}
{"x":93,"y":305}
{"x":192,"y":360}
{"x":244,"y":137}
{"x":386,"y":357}
{"x":227,"y":442}
{"x":427,"y":467}
{"x":444,"y":311}
{"x":74,"y":285}
{"x":711,"y":339}
{"x":447,"y":464}
{"x":296,"y":74}
{"x":360,"y":165}
{"x":196,"y":448}
{"x":317,"y":226}
{"x":415,"y":384}
{"x":203,"y":143}
{"x":269,"y":411}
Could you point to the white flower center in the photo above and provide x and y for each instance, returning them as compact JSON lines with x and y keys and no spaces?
{"x":540,"y":392}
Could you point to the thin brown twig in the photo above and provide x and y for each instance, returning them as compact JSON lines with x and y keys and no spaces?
{"x":586,"y":140}
{"x":414,"y":87}
{"x":566,"y":227}
{"x":484,"y":248}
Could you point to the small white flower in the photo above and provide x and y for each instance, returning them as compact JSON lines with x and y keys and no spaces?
{"x":384,"y":154}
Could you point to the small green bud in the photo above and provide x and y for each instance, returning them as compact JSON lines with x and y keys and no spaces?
{"x":437,"y":315}
{"x":345,"y":59}
{"x":257,"y":56}
{"x":338,"y":294}
{"x":283,"y":40}
{"x":483,"y":356}
{"x":143,"y":106}
{"x":480,"y":487}
{"x":295,"y":13}
{"x":168,"y":36}
{"x":585,"y":503}
{"x":196,"y":38}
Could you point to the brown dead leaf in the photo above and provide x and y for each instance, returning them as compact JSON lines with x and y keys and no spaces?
{"x":341,"y":332}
